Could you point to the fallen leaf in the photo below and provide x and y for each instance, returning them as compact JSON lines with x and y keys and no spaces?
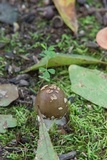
{"x":45,"y":150}
{"x":63,"y":60}
{"x":8,"y":13}
{"x":66,"y":9}
{"x":8,"y":93}
{"x":7,"y":121}
{"x":90,"y":84}
{"x":101,"y":38}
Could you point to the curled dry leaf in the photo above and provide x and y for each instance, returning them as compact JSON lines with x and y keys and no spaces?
{"x":101,"y":38}
{"x":8,"y":93}
{"x":67,"y":11}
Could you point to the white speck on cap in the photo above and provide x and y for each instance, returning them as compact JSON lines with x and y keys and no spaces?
{"x":65,"y":100}
{"x":60,"y":108}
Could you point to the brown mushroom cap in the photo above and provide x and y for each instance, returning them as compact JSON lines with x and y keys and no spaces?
{"x":52,"y":101}
{"x":101,"y":38}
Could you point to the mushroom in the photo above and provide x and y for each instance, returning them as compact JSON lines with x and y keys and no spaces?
{"x":101,"y":38}
{"x":51,"y":101}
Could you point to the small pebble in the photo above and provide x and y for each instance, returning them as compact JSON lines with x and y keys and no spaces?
{"x":16,"y":69}
{"x":23,"y":83}
{"x":67,"y":156}
{"x":23,"y":7}
{"x":92,"y":45}
{"x":29,"y":18}
{"x":48,"y":13}
{"x":71,"y":99}
{"x":16,"y":27}
{"x":81,"y":33}
{"x":9,"y":55}
{"x":46,"y":2}
{"x":9,"y":69}
{"x":89,"y":107}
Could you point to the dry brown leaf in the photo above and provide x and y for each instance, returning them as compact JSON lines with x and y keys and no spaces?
{"x":67,"y":11}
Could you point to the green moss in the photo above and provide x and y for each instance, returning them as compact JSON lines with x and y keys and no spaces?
{"x":90,"y":25}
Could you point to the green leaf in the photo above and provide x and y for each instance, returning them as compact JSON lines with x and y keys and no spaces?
{"x":63,"y":60}
{"x":45,"y":150}
{"x":90,"y":84}
{"x":41,"y":69}
{"x":6,"y":121}
{"x":49,"y":52}
{"x":46,"y":74}
{"x":52,"y":71}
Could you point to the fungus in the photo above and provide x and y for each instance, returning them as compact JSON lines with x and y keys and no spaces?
{"x":101,"y":38}
{"x":51,"y":101}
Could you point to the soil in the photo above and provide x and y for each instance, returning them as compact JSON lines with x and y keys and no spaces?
{"x":31,"y":20}
{"x":36,"y":19}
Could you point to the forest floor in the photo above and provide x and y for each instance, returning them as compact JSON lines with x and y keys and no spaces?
{"x":86,"y":130}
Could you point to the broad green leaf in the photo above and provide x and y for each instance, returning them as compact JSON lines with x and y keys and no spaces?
{"x":63,"y":60}
{"x":6,"y":121}
{"x":90,"y":84}
{"x":8,"y":93}
{"x":66,"y":9}
{"x":45,"y":150}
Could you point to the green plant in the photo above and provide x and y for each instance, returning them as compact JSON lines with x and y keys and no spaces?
{"x":2,"y":65}
{"x":49,"y":53}
{"x":65,"y":43}
{"x":46,"y":73}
